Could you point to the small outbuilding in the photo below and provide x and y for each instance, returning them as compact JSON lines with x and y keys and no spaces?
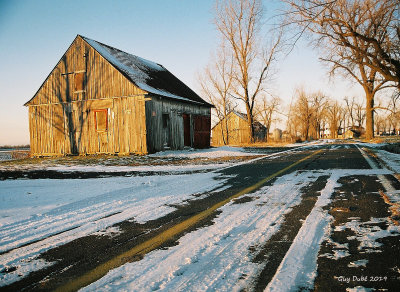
{"x":354,"y":132}
{"x":234,"y":130}
{"x":277,"y":135}
{"x":99,"y":99}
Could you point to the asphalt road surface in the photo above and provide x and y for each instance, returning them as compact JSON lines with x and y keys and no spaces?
{"x":357,"y":207}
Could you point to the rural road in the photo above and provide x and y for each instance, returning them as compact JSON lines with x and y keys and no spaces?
{"x":318,"y":218}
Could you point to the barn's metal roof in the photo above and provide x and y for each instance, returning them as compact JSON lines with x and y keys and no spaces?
{"x":147,"y":75}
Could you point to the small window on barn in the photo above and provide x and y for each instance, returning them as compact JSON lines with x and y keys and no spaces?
{"x":165,"y":119}
{"x":79,"y":81}
{"x":101,"y":120}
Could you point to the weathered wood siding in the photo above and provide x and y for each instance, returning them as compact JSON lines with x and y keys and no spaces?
{"x":53,"y":132}
{"x":164,"y":123}
{"x":61,"y":115}
{"x":238,"y":131}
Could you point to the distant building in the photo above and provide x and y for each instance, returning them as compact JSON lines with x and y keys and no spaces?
{"x":325,"y":133}
{"x":277,"y":134}
{"x":354,"y":132}
{"x":238,"y":130}
{"x":99,"y":99}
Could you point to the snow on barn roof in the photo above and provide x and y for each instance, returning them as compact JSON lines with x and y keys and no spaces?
{"x":244,"y":117}
{"x":240,"y":115}
{"x":146,"y":75}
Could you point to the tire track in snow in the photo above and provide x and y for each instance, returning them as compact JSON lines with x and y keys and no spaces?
{"x":161,"y":238}
{"x":298,"y":267}
{"x":217,"y":257}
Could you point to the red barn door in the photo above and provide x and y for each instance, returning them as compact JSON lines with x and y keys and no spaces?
{"x":202,"y":130}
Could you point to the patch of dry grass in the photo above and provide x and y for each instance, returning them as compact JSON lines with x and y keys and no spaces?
{"x":383,"y":139}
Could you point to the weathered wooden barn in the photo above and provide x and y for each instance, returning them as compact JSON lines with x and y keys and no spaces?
{"x":99,"y":99}
{"x":238,"y":130}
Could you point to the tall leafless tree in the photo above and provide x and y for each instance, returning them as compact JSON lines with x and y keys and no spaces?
{"x":393,"y":113}
{"x":361,"y":38}
{"x":334,"y":117}
{"x":216,"y":82}
{"x":355,"y":111}
{"x":349,"y":109}
{"x":380,"y":123}
{"x":360,"y":114}
{"x":308,"y":113}
{"x":239,"y":23}
{"x":319,"y":103}
{"x":301,"y":114}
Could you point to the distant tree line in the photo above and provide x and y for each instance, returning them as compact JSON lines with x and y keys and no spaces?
{"x":313,"y":115}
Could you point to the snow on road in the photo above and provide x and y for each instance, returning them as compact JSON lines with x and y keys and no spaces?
{"x":37,"y":215}
{"x":218,"y":257}
{"x":215,"y":257}
{"x":392,"y":160}
{"x":59,"y":211}
{"x":299,"y":266}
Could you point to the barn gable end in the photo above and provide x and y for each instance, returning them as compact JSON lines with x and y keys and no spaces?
{"x":82,"y":65}
{"x":238,"y":132}
{"x":98,"y":99}
{"x":64,"y":112}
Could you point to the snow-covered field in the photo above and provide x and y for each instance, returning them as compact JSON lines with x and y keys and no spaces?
{"x":224,"y":151}
{"x":166,"y":161}
{"x":36,"y":215}
{"x":8,"y":154}
{"x":59,"y":211}
{"x":5,"y":155}
{"x":174,"y":161}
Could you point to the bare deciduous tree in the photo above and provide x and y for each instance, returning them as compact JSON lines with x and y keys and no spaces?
{"x":393,"y":114}
{"x":355,"y":111}
{"x":361,"y":38}
{"x":292,"y":126}
{"x":216,"y":83}
{"x":239,"y":23}
{"x":360,"y":114}
{"x":380,"y":123}
{"x":319,"y":103}
{"x":265,"y":111}
{"x":350,"y":110}
{"x":308,"y":113}
{"x":301,"y":114}
{"x":334,"y":116}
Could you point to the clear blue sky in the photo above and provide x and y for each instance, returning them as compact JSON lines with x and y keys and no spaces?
{"x":176,"y":33}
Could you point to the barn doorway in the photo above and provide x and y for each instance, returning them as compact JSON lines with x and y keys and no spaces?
{"x":202,"y":129}
{"x":101,"y":129}
{"x":166,"y":131}
{"x":186,"y":130}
